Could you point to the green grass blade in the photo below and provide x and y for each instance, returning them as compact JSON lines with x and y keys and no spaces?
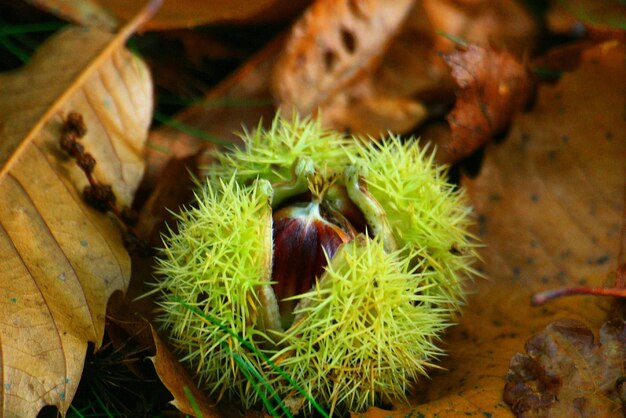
{"x":12,"y":30}
{"x":10,"y":46}
{"x":248,"y":346}
{"x":190,"y":130}
{"x":193,"y":402}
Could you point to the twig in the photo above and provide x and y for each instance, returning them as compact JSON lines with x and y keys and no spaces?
{"x":98,"y":195}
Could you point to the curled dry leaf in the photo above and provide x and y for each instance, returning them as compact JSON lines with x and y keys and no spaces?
{"x":333,"y":43}
{"x":61,"y":260}
{"x":493,"y":87}
{"x":566,"y":373}
{"x":371,"y":75}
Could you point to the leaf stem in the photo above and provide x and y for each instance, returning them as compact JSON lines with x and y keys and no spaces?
{"x":548,"y":295}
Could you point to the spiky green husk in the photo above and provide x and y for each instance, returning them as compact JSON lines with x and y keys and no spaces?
{"x":269,"y":154}
{"x":216,"y":262}
{"x":370,"y":325}
{"x":366,"y":330}
{"x":426,"y":213}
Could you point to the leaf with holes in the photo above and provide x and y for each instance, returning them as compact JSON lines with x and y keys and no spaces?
{"x":61,"y":260}
{"x":330,"y":46}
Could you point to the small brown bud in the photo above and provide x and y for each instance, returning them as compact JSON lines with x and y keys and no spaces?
{"x":86,"y":162}
{"x":99,"y":196}
{"x":75,"y":124}
{"x":70,"y":144}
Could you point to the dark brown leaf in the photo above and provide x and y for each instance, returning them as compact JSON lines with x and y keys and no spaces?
{"x":494,"y":86}
{"x":566,"y":373}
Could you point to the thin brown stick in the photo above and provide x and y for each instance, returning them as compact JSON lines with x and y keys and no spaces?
{"x":548,"y":295}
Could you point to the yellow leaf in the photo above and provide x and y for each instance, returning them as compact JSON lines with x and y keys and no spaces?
{"x":59,"y":259}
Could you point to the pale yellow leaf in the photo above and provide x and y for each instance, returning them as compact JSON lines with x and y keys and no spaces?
{"x":59,"y":259}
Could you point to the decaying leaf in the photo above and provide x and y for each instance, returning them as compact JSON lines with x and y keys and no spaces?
{"x":330,"y":46}
{"x":549,"y":203}
{"x":61,"y":260}
{"x":173,"y":14}
{"x":566,"y":373}
{"x":493,"y":87}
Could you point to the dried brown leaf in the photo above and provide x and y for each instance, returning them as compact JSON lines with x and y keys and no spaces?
{"x":504,"y":23}
{"x":380,"y":90}
{"x":187,"y":397}
{"x":174,"y":14}
{"x":565,"y":373}
{"x":549,"y":202}
{"x":362,"y":110}
{"x":493,"y":87}
{"x":330,"y":46}
{"x":61,"y":260}
{"x":412,"y":65}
